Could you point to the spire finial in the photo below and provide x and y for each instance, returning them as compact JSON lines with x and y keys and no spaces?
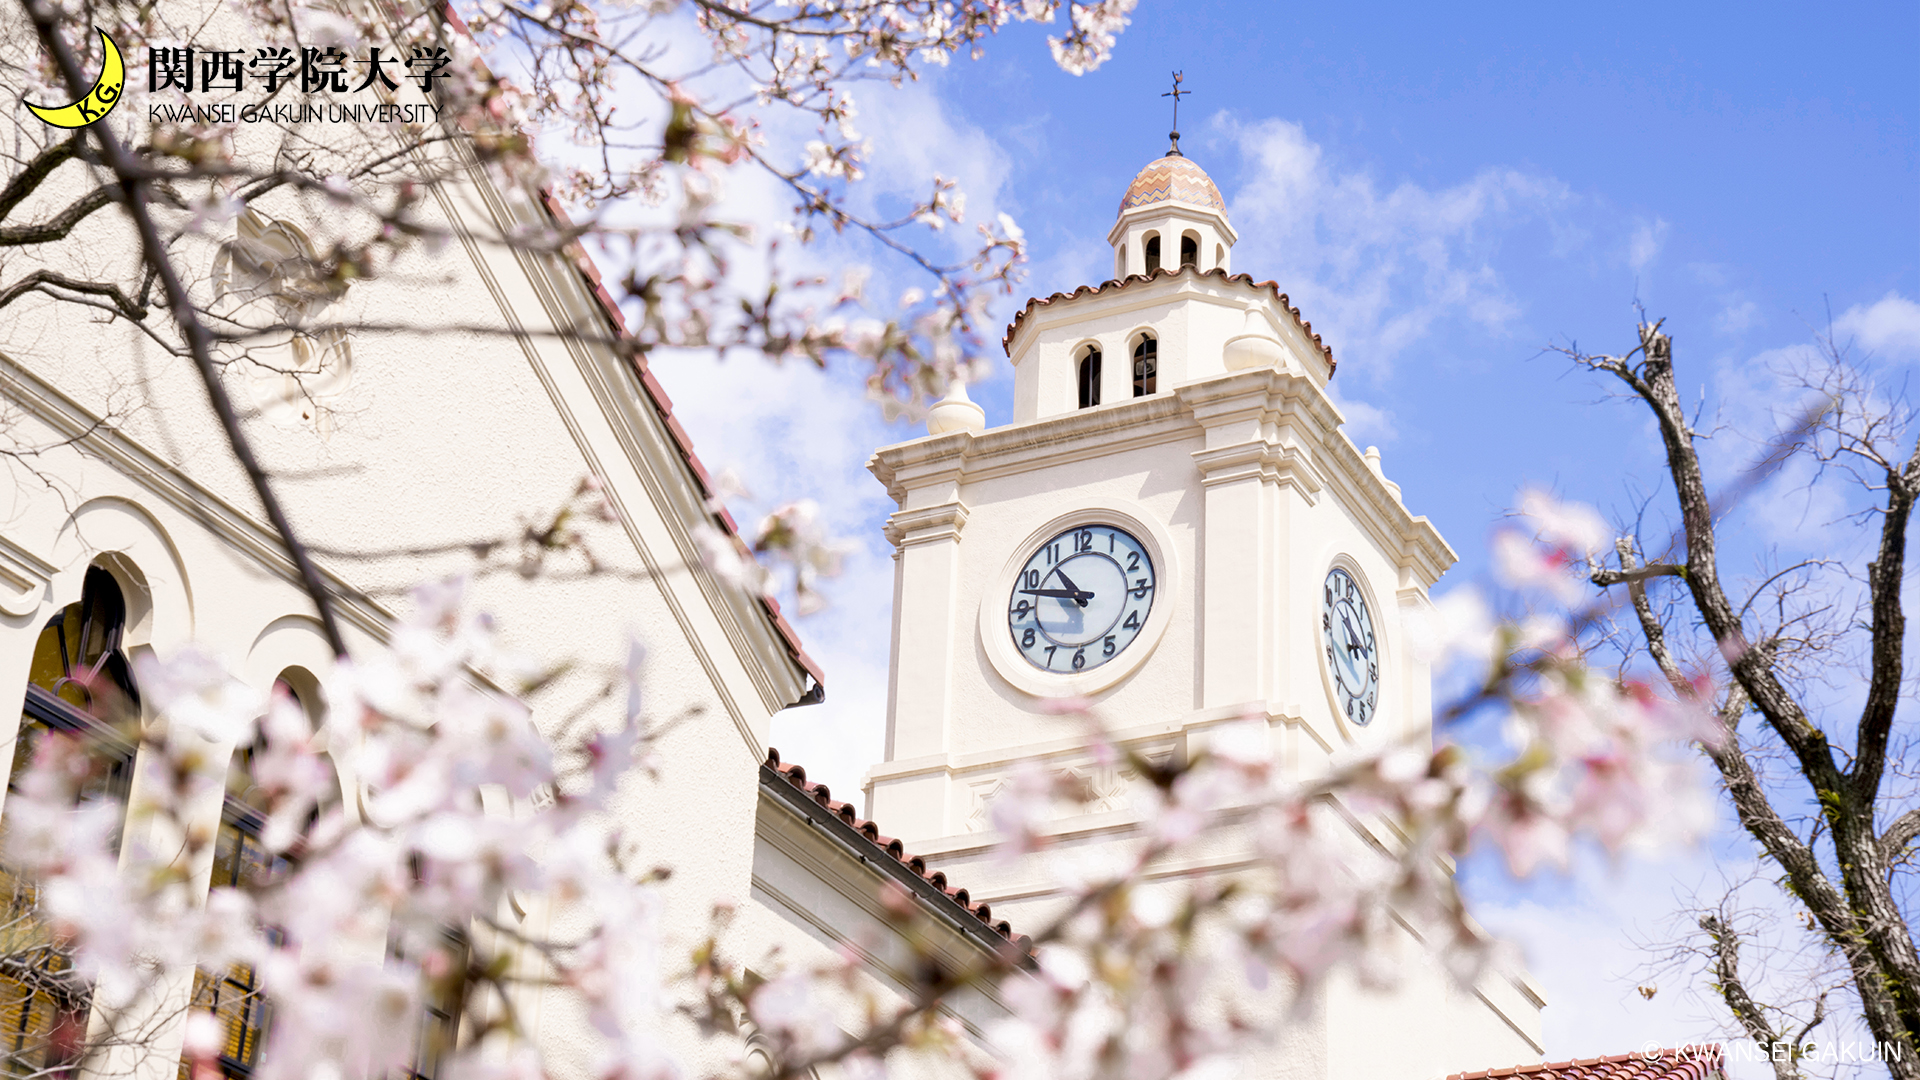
{"x":1174,"y":135}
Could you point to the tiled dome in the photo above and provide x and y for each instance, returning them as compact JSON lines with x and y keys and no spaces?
{"x":1173,"y":179}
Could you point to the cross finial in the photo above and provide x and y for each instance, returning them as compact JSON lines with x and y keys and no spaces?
{"x":1175,"y":93}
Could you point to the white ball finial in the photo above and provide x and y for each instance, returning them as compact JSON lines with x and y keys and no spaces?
{"x":956,"y":412}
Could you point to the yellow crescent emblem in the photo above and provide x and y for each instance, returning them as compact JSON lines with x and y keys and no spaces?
{"x":99,"y":101}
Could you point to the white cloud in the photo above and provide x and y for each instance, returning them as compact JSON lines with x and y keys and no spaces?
{"x":1735,"y":318}
{"x":1644,"y":247}
{"x":1365,"y":423}
{"x":1382,"y":268}
{"x":1890,"y":324}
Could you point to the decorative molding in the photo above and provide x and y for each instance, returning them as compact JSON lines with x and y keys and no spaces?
{"x":1259,"y":459}
{"x":927,"y":525}
{"x":23,"y":578}
{"x":134,"y":462}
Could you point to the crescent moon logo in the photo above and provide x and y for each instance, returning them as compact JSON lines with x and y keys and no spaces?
{"x":99,"y":101}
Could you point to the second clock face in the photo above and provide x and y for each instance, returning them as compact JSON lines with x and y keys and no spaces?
{"x":1081,"y":599}
{"x":1352,"y":651}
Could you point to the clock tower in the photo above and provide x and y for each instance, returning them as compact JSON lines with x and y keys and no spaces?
{"x":1173,"y":528}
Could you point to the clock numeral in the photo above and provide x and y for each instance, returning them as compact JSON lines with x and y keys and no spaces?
{"x":1026,"y":640}
{"x":1140,"y":588}
{"x":1079,"y":659}
{"x":1020,"y":610}
{"x":1053,"y":553}
{"x":1373,"y":672}
{"x":1050,"y":650}
{"x":1109,"y":541}
{"x":1133,"y":621}
{"x":1033,"y":579}
{"x":1083,"y":540}
{"x":1133,"y":561}
{"x":1107,"y":650}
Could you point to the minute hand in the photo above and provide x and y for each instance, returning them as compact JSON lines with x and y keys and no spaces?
{"x":1078,"y":595}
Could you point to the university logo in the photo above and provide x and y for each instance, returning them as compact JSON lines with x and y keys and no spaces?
{"x":98,"y":101}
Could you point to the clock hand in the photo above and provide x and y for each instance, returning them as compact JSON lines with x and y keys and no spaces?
{"x":1063,"y":594}
{"x":1081,"y":596}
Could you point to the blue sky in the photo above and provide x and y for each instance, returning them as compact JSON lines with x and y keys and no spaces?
{"x":1443,"y":191}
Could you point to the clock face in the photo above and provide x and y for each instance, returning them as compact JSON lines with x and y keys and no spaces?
{"x":1081,"y":599}
{"x":1352,"y":652}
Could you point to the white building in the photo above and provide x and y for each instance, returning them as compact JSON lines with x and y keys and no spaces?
{"x":1171,"y":430}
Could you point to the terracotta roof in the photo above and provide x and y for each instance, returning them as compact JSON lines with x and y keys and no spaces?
{"x":1326,"y":350}
{"x":1682,"y":1063}
{"x":1173,"y":179}
{"x":890,"y":849}
{"x":663,"y":405}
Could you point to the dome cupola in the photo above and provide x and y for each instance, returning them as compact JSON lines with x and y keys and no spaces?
{"x":1174,"y":179}
{"x":1171,"y":216}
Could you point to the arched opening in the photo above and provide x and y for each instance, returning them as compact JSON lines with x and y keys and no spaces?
{"x":1153,"y":252}
{"x":1189,"y":250}
{"x":1090,"y":377}
{"x":80,"y":686}
{"x":1146,"y":363}
{"x":245,"y":857}
{"x":1220,"y":256}
{"x":1120,"y":263}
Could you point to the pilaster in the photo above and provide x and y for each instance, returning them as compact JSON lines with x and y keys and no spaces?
{"x":926,"y":582}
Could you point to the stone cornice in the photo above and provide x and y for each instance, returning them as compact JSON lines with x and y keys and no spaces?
{"x":928,"y":525}
{"x":1275,"y":398}
{"x":1316,"y":456}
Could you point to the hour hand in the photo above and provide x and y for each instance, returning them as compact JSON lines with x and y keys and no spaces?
{"x":1081,"y":596}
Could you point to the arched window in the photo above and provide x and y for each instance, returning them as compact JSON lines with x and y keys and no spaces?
{"x":1120,"y":263}
{"x":1220,"y":256}
{"x":1153,"y":252}
{"x":1090,"y":377}
{"x":1189,"y":250}
{"x":1146,"y":361}
{"x":80,"y":685}
{"x":242,"y":860}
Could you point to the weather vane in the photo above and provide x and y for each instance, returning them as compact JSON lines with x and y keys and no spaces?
{"x":1178,"y":78}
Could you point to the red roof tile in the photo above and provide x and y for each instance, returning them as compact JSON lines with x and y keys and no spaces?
{"x":1326,"y":350}
{"x":1683,"y":1063}
{"x":657,"y":395}
{"x":663,"y":405}
{"x":893,"y":849}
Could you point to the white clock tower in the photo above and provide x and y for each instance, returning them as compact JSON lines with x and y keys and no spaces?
{"x":1173,"y":527}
